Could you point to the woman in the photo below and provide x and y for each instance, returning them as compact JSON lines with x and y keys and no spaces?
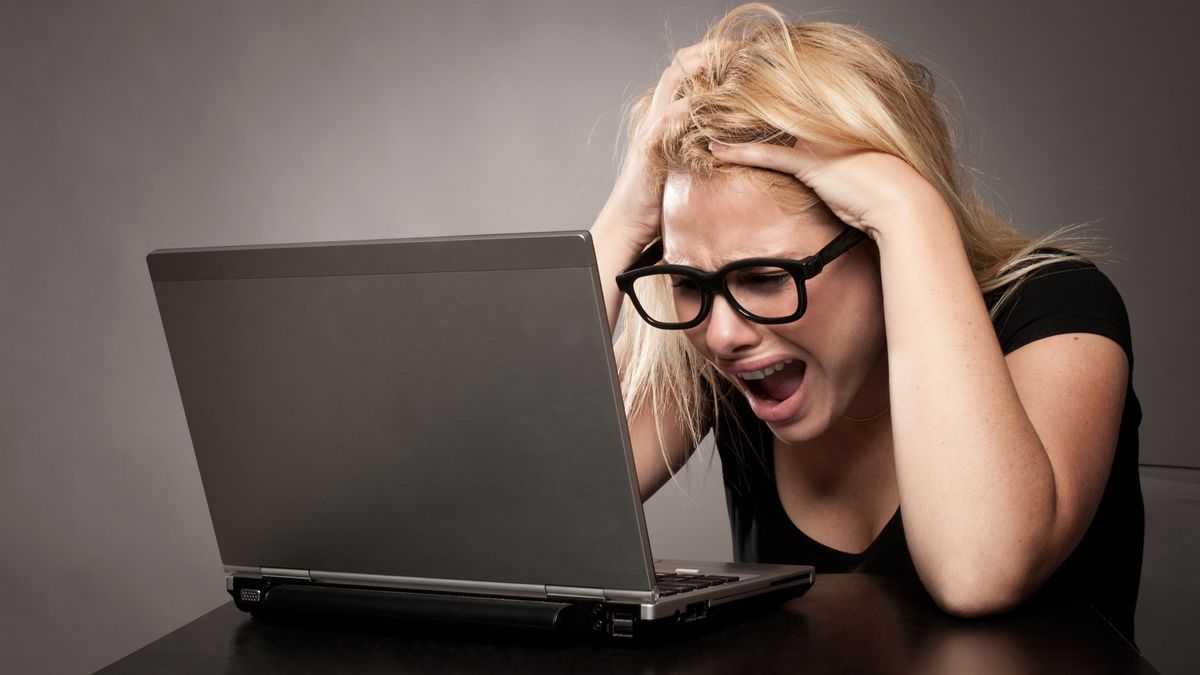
{"x":900,"y":350}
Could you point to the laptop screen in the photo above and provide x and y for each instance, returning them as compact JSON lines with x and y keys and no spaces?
{"x":438,"y":408}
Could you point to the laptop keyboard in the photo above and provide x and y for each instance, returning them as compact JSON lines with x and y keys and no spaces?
{"x":670,"y":584}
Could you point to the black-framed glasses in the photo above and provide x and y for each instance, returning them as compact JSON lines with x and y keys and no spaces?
{"x":764,"y":290}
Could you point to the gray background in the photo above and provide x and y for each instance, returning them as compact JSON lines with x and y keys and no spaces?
{"x":127,"y":126}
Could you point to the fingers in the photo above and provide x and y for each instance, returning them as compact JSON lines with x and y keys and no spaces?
{"x":800,"y":161}
{"x":674,"y":109}
{"x":686,"y":61}
{"x":662,"y":108}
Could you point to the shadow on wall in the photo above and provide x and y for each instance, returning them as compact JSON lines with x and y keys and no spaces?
{"x":1168,"y":613}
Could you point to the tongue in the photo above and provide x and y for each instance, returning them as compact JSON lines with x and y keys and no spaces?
{"x":780,"y":386}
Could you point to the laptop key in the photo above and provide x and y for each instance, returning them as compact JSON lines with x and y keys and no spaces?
{"x":672,"y":584}
{"x":697,"y":580}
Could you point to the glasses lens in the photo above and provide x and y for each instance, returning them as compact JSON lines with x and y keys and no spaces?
{"x":668,"y":298}
{"x":766,"y":292}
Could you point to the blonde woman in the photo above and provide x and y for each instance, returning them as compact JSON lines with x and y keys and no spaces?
{"x":898,"y":381}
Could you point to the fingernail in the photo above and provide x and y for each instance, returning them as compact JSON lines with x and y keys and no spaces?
{"x":714,"y":146}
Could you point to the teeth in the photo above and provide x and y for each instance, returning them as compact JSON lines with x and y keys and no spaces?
{"x":769,"y":370}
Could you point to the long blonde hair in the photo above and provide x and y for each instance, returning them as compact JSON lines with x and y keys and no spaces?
{"x":767,"y":80}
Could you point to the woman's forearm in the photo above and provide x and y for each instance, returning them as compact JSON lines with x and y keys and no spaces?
{"x":616,"y":247}
{"x":976,"y":486}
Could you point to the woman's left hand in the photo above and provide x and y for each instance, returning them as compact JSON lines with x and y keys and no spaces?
{"x":866,"y":189}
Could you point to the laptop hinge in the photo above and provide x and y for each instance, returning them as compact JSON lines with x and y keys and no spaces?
{"x":573,"y":593}
{"x":286,"y":573}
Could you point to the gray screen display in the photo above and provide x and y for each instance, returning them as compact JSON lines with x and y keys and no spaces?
{"x":443,"y":422}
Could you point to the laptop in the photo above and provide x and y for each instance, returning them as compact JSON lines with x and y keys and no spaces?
{"x":427,"y":429}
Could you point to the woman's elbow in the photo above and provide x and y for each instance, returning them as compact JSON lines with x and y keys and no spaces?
{"x":971,"y":592}
{"x":977,"y":581}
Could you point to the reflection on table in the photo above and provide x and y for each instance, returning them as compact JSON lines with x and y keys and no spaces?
{"x":845,"y":624}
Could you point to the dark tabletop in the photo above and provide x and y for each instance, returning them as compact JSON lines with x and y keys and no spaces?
{"x":852,"y":623}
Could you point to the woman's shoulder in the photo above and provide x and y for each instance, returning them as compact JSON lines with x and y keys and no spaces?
{"x":1059,"y":295}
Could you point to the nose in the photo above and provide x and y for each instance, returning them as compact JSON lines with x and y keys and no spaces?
{"x":728,"y":333}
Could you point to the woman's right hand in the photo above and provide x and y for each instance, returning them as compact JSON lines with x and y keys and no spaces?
{"x":632,"y":217}
{"x":636,"y":198}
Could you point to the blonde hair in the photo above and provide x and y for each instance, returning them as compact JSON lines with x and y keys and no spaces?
{"x":766,"y":80}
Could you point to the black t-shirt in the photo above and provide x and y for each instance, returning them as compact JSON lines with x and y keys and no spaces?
{"x":1105,"y":568}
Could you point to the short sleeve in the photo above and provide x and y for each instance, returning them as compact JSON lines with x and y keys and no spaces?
{"x":1063,"y":297}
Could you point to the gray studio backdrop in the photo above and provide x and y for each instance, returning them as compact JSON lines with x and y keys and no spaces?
{"x":128,"y":126}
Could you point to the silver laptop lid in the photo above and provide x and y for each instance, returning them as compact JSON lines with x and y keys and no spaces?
{"x":435,"y":408}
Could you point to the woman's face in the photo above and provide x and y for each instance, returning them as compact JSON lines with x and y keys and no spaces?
{"x":833,"y":356}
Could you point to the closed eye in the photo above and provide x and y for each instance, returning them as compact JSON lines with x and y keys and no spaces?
{"x":762,"y":280}
{"x":684,"y":284}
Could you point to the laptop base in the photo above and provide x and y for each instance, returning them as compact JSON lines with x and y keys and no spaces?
{"x":284,"y":599}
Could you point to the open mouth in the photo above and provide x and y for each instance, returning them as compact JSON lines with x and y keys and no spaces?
{"x":774,"y":384}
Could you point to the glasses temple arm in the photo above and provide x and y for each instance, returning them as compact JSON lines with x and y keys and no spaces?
{"x":838,"y":246}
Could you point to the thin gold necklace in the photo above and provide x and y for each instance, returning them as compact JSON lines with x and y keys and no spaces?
{"x":868,"y":419}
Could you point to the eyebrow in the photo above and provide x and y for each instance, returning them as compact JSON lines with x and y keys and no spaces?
{"x":789,"y":255}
